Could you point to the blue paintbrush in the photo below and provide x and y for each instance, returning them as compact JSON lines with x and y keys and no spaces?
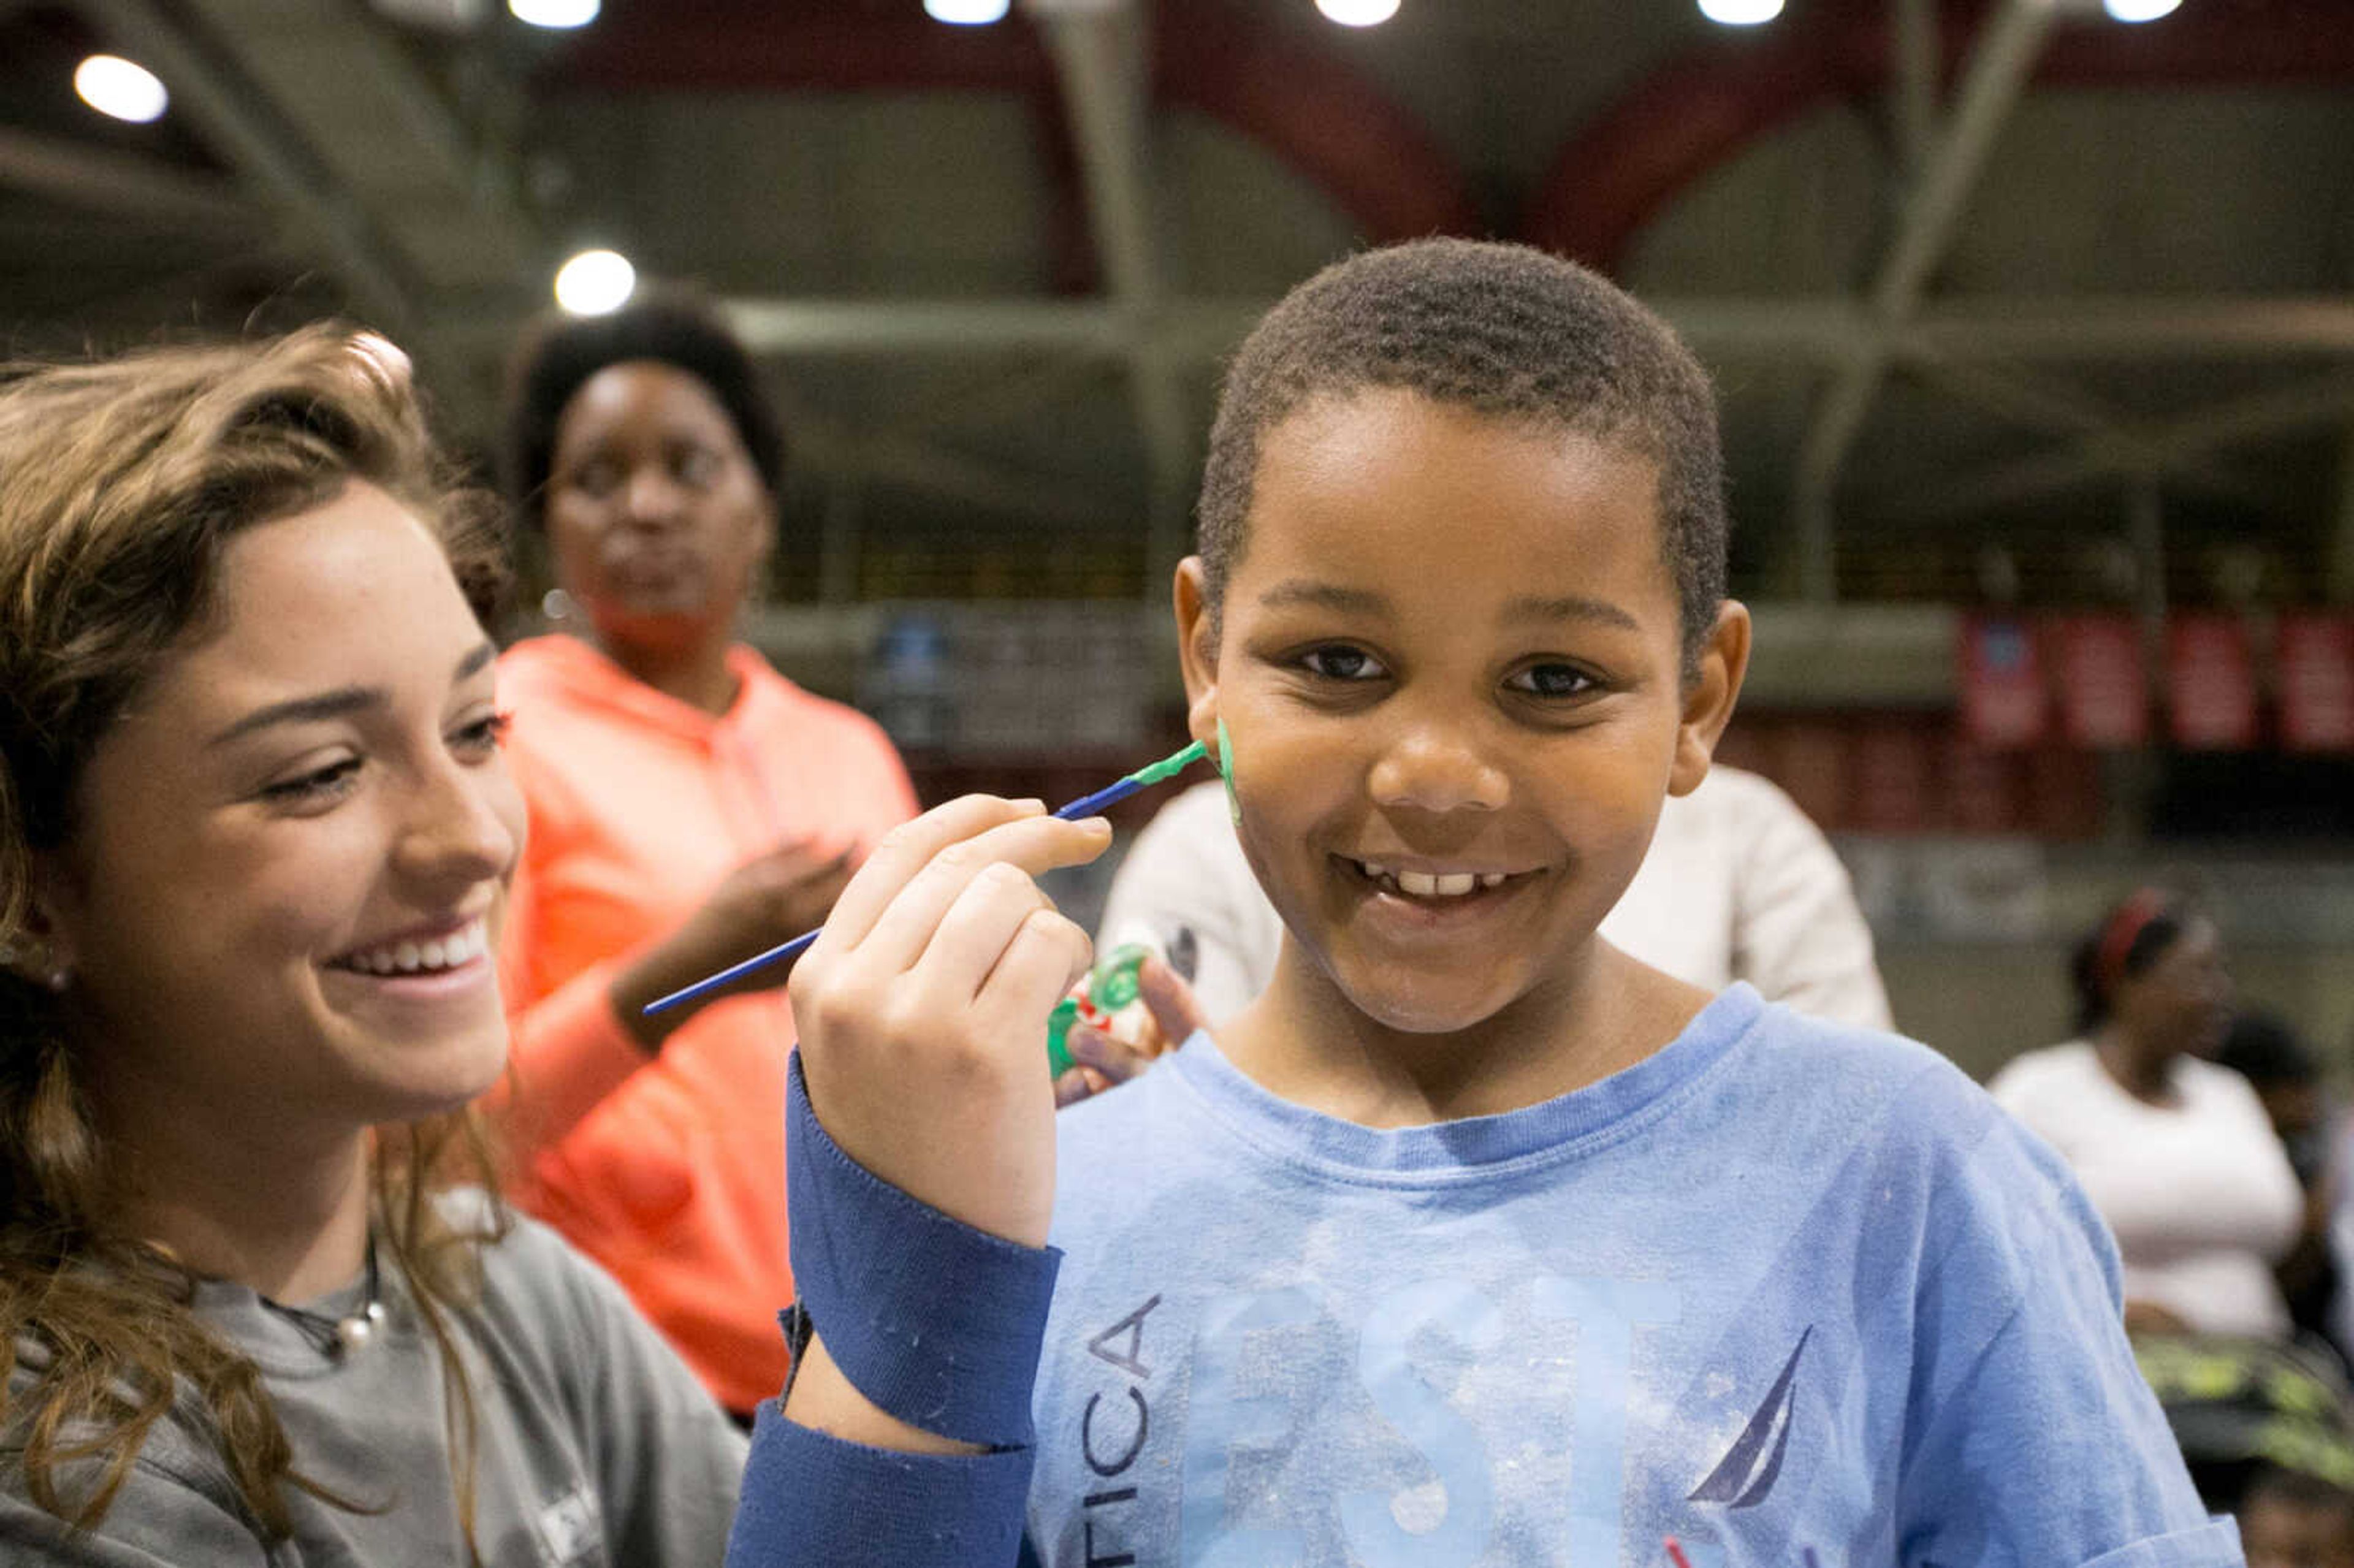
{"x":1086,"y":806}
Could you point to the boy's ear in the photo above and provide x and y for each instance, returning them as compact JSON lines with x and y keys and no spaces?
{"x":1197,"y":652}
{"x":1709,"y":695}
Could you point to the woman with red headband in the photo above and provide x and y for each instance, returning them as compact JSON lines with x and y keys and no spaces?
{"x":2175,"y":1151}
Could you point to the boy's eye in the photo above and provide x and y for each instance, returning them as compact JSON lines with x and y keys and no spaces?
{"x":697,"y":468}
{"x":1340,"y":663}
{"x":319,"y":787}
{"x":1551,"y":681}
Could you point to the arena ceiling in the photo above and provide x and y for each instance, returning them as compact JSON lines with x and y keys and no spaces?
{"x":1999,"y":294}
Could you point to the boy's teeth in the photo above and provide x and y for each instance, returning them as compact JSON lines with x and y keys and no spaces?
{"x":1430,"y":884}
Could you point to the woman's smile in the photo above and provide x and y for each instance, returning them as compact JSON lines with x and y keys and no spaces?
{"x":432,"y":967}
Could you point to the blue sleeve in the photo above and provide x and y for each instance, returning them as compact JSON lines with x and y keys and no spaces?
{"x":2031,"y":1438}
{"x":935,"y":1322}
{"x":810,"y":1498}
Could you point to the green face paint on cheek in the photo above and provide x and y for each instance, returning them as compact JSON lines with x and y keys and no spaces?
{"x":1226,"y":772}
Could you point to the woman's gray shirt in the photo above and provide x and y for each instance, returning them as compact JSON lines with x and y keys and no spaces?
{"x":598,"y":1448}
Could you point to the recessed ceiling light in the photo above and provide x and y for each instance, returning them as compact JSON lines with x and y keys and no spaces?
{"x":1358,"y":13}
{"x":595,"y":282}
{"x":2139,"y":10}
{"x":124,"y":89}
{"x":554,"y":13}
{"x":967,"y":13}
{"x":1740,"y":13}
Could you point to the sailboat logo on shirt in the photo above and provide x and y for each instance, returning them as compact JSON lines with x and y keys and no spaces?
{"x":1740,"y":1480}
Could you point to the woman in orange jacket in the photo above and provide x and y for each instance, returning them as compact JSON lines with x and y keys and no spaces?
{"x":689,"y":807}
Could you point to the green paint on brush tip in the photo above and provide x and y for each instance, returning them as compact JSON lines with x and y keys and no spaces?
{"x":1226,"y":771}
{"x":1170,"y":766}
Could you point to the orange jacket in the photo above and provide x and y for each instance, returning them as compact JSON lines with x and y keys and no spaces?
{"x":668,"y":1170}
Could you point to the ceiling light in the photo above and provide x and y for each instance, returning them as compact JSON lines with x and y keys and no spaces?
{"x":1740,"y":13}
{"x":113,"y":85}
{"x":554,"y":13}
{"x":2139,"y":10}
{"x":1358,"y":13}
{"x":967,"y":13}
{"x":595,"y":282}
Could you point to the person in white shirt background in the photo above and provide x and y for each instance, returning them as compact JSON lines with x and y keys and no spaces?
{"x":2176,"y":1152}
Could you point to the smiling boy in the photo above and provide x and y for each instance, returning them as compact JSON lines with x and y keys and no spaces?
{"x":1473,"y":1240}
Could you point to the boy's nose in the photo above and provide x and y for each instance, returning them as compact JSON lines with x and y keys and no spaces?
{"x":1432,"y":769}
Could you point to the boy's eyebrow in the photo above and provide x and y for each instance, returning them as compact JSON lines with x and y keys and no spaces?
{"x":341,"y":701}
{"x":1364,"y":601}
{"x":1570,"y":607}
{"x":1327,"y":596}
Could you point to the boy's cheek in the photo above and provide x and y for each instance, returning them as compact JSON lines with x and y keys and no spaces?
{"x":1287,"y":773}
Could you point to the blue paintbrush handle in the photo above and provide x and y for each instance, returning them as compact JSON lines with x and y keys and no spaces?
{"x":709,"y":983}
{"x":1110,"y":795}
{"x":1086,"y":806}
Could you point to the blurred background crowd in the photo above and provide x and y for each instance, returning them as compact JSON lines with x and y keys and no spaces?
{"x":2034,"y":328}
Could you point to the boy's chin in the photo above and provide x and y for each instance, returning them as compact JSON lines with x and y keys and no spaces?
{"x":1412,"y":1004}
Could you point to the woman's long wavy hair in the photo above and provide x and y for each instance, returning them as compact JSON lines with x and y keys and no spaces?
{"x":120,"y":482}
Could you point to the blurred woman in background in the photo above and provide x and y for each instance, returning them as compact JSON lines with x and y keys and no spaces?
{"x":255,"y":843}
{"x":689,"y":807}
{"x":2176,"y":1152}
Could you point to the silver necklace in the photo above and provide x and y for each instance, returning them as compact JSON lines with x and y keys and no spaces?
{"x":337,"y":1337}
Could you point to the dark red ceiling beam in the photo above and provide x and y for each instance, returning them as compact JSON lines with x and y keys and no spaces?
{"x":1307,"y":108}
{"x":1312,"y":112}
{"x":1632,"y":160}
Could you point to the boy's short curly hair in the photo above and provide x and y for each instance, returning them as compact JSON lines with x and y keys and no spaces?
{"x":1503,"y":330}
{"x":672,"y":327}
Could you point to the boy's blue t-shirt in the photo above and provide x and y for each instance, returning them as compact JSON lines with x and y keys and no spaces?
{"x":1782,"y":1288}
